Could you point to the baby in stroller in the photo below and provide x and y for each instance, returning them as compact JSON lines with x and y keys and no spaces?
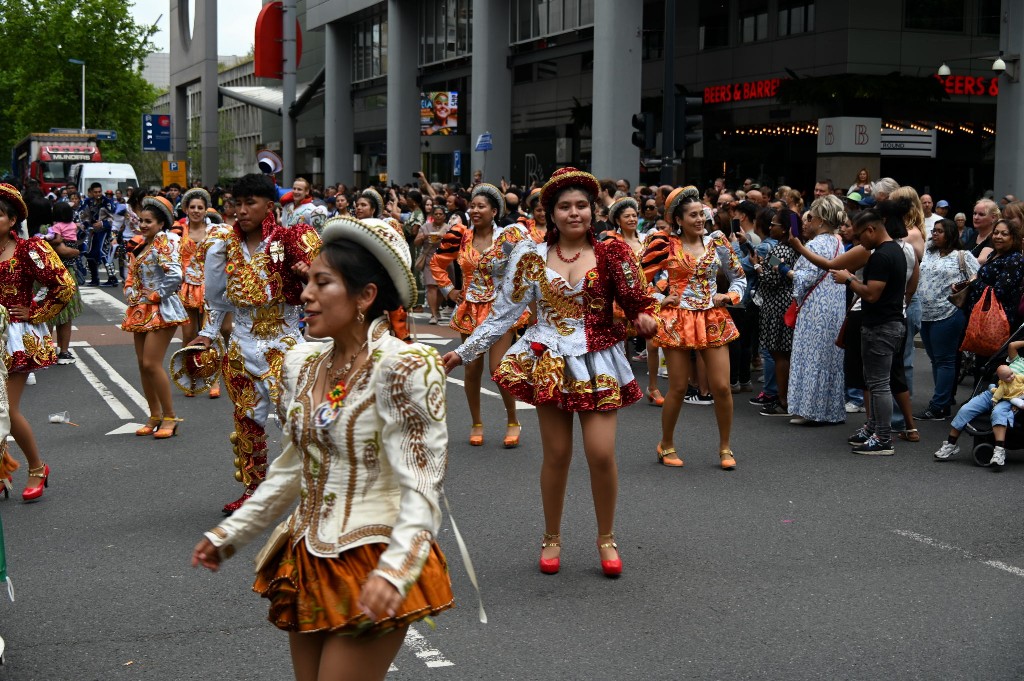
{"x":1001,"y":402}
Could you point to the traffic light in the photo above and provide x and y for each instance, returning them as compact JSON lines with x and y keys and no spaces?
{"x":689,"y":121}
{"x":644,"y":136}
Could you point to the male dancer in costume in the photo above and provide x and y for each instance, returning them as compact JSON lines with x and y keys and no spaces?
{"x":256,"y":270}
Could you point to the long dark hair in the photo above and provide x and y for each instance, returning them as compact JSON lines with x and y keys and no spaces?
{"x":357,"y":267}
{"x":951,"y":232}
{"x":552,"y":235}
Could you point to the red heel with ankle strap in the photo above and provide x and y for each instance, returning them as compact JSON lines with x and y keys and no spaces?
{"x":34,"y":493}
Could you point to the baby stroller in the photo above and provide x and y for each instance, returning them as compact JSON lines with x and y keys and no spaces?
{"x":981,"y":427}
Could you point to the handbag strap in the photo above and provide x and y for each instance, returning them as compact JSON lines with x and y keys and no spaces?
{"x":961,"y":261}
{"x":839,"y":243}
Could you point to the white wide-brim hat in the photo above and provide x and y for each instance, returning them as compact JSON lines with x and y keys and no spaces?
{"x":386,"y":244}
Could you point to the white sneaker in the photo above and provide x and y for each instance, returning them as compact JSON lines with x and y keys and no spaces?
{"x":799,"y":420}
{"x":998,"y":457}
{"x":852,"y":408}
{"x":31,"y":380}
{"x":662,"y":373}
{"x":947,"y":451}
{"x":1017,"y":402}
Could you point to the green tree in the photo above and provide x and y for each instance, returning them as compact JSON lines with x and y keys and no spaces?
{"x":39,"y":89}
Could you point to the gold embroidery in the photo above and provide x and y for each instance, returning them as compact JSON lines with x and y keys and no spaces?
{"x":363,"y":533}
{"x":530,"y":269}
{"x":562,"y":304}
{"x":419,"y":549}
{"x":268,"y":321}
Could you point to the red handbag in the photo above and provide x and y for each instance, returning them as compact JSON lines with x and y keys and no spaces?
{"x":988,"y":328}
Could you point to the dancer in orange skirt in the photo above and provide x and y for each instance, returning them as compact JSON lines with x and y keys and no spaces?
{"x":195,"y":226}
{"x":482,"y":252}
{"x":364,"y":455}
{"x":536,"y":226}
{"x":155,"y":310}
{"x":693,"y":314}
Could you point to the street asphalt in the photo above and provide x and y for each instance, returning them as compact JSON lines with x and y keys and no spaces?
{"x":807,"y":562}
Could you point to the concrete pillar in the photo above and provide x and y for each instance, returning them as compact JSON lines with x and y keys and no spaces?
{"x":179,"y":123}
{"x":1009,"y":166}
{"x":339,"y":144}
{"x":209,"y":122}
{"x":617,"y":64}
{"x":403,"y":93}
{"x":491,"y":98}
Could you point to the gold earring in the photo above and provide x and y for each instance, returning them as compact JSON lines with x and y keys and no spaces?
{"x":360,"y":317}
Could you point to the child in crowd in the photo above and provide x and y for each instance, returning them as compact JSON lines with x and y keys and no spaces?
{"x":1003,"y":400}
{"x":63,"y":229}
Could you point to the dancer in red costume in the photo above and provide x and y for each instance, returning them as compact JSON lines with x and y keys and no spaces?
{"x":23,"y":264}
{"x":256,"y":271}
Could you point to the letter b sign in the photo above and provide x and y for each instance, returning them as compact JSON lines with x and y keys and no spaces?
{"x":860,"y":135}
{"x":830,"y":135}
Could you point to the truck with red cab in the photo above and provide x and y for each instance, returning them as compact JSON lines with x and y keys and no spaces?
{"x":47,"y":157}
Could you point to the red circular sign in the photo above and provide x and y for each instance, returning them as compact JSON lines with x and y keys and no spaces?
{"x":164,"y":121}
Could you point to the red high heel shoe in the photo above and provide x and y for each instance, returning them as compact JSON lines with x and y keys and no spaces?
{"x":237,"y":503}
{"x":550,"y":566}
{"x":613,"y":567}
{"x":34,"y":493}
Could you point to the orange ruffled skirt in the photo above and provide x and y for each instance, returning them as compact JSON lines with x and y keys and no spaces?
{"x":695,"y":329}
{"x":145,"y":317}
{"x":469,"y":315}
{"x":308,"y":593}
{"x":192,"y":295}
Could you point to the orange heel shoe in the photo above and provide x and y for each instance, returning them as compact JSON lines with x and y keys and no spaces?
{"x":163,"y":433}
{"x":511,"y":442}
{"x":151,"y":425}
{"x":655,"y":398}
{"x":613,"y":567}
{"x":663,"y":455}
{"x":476,"y":440}
{"x":728,"y":461}
{"x":215,"y":391}
{"x":34,"y":493}
{"x":550,"y":566}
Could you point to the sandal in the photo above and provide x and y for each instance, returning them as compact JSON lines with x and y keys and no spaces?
{"x":512,"y":441}
{"x":909,"y":435}
{"x":728,"y":461}
{"x":477,"y":440}
{"x":655,"y":398}
{"x":664,"y":454}
{"x":151,"y":425}
{"x":612,"y":567}
{"x":163,"y":433}
{"x":550,"y":566}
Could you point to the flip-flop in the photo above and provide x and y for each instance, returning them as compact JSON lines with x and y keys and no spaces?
{"x":909,"y":435}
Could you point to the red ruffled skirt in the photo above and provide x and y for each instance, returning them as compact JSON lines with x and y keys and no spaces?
{"x":192,"y":295}
{"x":308,"y":593}
{"x":695,"y":329}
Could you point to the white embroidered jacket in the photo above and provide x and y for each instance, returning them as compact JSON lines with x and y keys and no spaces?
{"x":374,"y":475}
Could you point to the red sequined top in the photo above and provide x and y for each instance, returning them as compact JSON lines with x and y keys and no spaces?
{"x":35,"y":261}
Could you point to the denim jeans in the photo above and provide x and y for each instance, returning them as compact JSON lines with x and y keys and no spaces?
{"x":913,"y":327}
{"x":1002,"y":413}
{"x":771,"y":386}
{"x":878,"y":345}
{"x":855,"y":396}
{"x":941,"y":342}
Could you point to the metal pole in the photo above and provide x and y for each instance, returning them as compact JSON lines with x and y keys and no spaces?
{"x":668,"y":105}
{"x":83,"y":96}
{"x":288,"y":92}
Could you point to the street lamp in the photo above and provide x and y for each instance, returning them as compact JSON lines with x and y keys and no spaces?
{"x":79,"y":61}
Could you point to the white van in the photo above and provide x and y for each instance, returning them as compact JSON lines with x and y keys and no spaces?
{"x":111,"y":176}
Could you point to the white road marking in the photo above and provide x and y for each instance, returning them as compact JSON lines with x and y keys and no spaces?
{"x":108,"y":306}
{"x":421,"y":649}
{"x":115,"y":404}
{"x":126,"y":429}
{"x":942,"y":546}
{"x":485,"y":391}
{"x":119,"y":380}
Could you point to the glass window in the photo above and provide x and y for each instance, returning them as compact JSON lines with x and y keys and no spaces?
{"x":446,"y":30}
{"x":988,"y":17}
{"x":753,"y":20}
{"x":533,"y":19}
{"x":370,"y":44}
{"x":796,"y":17}
{"x":934,"y":15}
{"x":713,"y":18}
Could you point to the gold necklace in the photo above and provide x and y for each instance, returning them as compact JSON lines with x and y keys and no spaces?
{"x":335,"y":377}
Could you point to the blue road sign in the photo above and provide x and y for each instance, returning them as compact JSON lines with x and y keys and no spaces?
{"x":457,"y":163}
{"x":172,"y":166}
{"x":103,"y":135}
{"x":484,"y":142}
{"x":156,"y":132}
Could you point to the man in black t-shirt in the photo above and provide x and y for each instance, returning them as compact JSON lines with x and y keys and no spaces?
{"x":882,"y":328}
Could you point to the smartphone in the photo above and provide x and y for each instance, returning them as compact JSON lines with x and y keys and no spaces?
{"x":794,"y":224}
{"x":773,"y":261}
{"x":734,"y":226}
